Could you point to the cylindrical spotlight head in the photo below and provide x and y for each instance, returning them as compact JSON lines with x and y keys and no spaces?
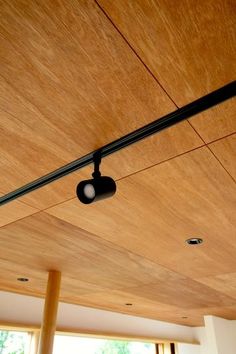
{"x":96,"y":189}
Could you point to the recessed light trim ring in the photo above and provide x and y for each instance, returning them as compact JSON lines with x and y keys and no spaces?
{"x":194,"y":241}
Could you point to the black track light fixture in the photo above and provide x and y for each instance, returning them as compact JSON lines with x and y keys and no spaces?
{"x":103,"y":187}
{"x":97,"y":188}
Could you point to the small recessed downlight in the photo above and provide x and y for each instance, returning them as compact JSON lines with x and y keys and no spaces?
{"x":194,"y":241}
{"x":23,"y":279}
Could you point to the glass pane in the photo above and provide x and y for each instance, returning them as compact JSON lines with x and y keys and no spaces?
{"x":79,"y":345}
{"x":12,"y":342}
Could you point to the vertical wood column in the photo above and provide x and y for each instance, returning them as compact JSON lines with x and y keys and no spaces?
{"x":48,"y":327}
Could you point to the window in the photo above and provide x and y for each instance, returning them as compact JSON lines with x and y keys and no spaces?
{"x":64,"y":344}
{"x":12,"y":342}
{"x":25,"y":341}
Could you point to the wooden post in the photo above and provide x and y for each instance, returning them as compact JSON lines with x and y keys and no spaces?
{"x":48,"y":327}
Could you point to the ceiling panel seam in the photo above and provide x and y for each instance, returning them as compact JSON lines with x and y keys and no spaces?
{"x":161,"y":162}
{"x":221,"y":164}
{"x":196,"y":132}
{"x":135,"y":53}
{"x":129,"y":175}
{"x":23,"y":202}
{"x":221,"y":138}
{"x":20,"y":219}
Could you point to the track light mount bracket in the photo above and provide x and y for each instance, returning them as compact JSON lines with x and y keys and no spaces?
{"x":97,"y":158}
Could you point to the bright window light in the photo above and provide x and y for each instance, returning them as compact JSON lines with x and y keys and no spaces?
{"x":74,"y":345}
{"x":12,"y":342}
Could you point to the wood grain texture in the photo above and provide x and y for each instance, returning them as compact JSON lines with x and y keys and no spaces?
{"x":37,"y":275}
{"x":70,"y":84}
{"x":183,"y":293}
{"x":31,"y":151}
{"x":116,"y":300}
{"x":217,"y":122}
{"x":226,"y":281}
{"x":225,"y":150}
{"x":28,"y":152}
{"x":188,"y":46}
{"x":99,"y":274}
{"x":15,"y":211}
{"x":70,"y":92}
{"x":227,"y":312}
{"x":84,"y":259}
{"x":175,"y":295}
{"x":156,"y":210}
{"x":148,"y":152}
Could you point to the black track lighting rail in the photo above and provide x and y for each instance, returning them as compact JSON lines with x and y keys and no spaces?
{"x":210,"y":100}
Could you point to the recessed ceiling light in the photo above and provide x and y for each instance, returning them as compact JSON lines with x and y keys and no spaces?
{"x":23,"y":279}
{"x":194,"y":241}
{"x":128,"y":304}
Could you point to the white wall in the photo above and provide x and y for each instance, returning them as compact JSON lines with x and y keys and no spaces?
{"x":188,"y":348}
{"x":28,"y":310}
{"x":217,"y":337}
{"x":201,"y":335}
{"x":221,"y":335}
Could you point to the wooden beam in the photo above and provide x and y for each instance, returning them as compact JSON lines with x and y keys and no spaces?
{"x":48,"y":327}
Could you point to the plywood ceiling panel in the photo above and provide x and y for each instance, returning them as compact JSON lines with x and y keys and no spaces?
{"x":225,"y":312}
{"x":189,"y":46}
{"x":225,"y":151}
{"x":140,"y":304}
{"x":15,"y":211}
{"x":116,"y":300}
{"x":98,"y":273}
{"x":78,"y":254}
{"x":191,"y":294}
{"x":148,"y":152}
{"x":217,"y":122}
{"x":228,"y":281}
{"x":69,"y":84}
{"x":11,"y":270}
{"x":156,"y":210}
{"x":36,"y":286}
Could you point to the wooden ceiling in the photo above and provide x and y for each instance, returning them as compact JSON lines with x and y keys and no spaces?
{"x":76,"y":75}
